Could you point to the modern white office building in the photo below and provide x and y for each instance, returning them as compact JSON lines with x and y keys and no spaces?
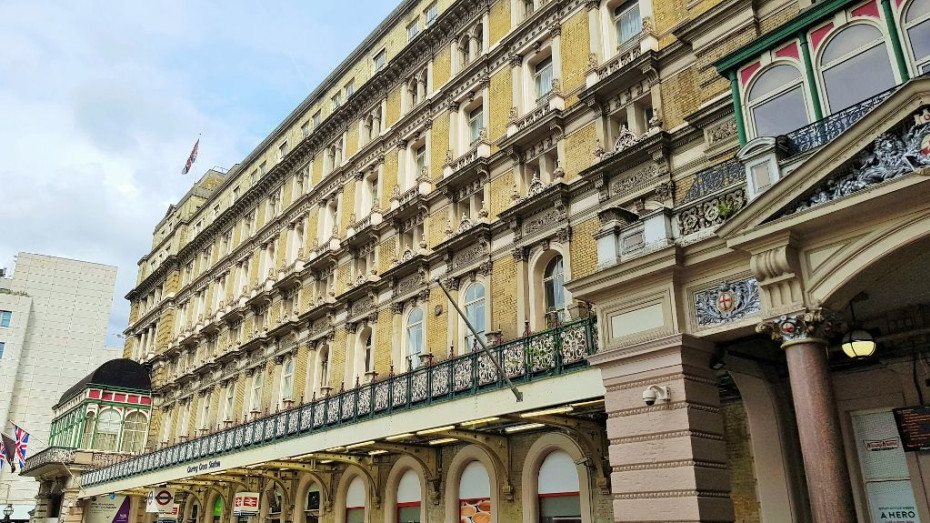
{"x":53,"y":324}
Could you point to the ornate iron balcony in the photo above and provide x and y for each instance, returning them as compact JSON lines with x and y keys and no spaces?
{"x":535,"y":357}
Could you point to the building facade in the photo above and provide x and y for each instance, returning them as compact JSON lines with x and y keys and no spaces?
{"x":53,"y":323}
{"x":617,"y":196}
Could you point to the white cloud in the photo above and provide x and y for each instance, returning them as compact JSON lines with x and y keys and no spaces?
{"x":100,"y":103}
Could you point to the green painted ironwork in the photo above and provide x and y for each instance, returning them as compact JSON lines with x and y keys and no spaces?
{"x":542,"y":355}
{"x":811,"y":79}
{"x":895,"y":40}
{"x":737,"y":109}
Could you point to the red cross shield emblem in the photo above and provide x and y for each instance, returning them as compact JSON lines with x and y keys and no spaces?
{"x":726,"y":301}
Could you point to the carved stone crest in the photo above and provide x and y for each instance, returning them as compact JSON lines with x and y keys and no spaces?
{"x":729,"y":301}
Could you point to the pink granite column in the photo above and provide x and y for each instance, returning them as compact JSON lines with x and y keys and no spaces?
{"x":817,"y":418}
{"x":668,"y":460}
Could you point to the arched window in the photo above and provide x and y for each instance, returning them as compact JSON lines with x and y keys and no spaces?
{"x":554,"y":285}
{"x":414,"y":337}
{"x":559,"y":489}
{"x":287,"y":379}
{"x":108,"y":428}
{"x":312,"y":510}
{"x":134,"y":430}
{"x":409,"y":497}
{"x":275,"y":504}
{"x":917,"y":29}
{"x":855,"y":66}
{"x":195,"y":512}
{"x":776,"y":101}
{"x":88,"y":431}
{"x":218,"y":509}
{"x":475,"y":492}
{"x":356,"y":498}
{"x":474,"y":313}
{"x":627,"y":20}
{"x":369,"y":357}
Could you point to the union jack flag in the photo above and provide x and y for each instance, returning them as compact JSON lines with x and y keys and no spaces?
{"x":192,"y":158}
{"x":7,"y":451}
{"x":22,"y":443}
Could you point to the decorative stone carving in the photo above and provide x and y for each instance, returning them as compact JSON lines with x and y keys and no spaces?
{"x":891,"y":155}
{"x":729,"y":301}
{"x":708,"y":214}
{"x":469,"y":254}
{"x":813,"y":326}
{"x":665,"y":191}
{"x":632,"y":182}
{"x":536,"y":186}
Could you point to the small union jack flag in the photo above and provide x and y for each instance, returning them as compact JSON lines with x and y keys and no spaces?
{"x":22,"y":443}
{"x":7,"y":451}
{"x":192,"y":158}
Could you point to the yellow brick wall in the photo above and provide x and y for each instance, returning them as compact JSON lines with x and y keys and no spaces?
{"x":172,"y":282}
{"x":239,"y":403}
{"x":681,"y":96}
{"x":352,"y":139}
{"x":165,"y":329}
{"x":348,"y":204}
{"x":436,"y":225}
{"x":584,"y":248}
{"x":442,"y":66}
{"x":501,"y":101}
{"x":337,"y":370}
{"x":575,"y":49}
{"x":682,"y":187}
{"x":579,"y":151}
{"x":312,"y":224}
{"x":503,"y":297}
{"x":383,"y":342}
{"x":134,"y":312}
{"x":439,"y":144}
{"x":499,"y":20}
{"x":287,"y":196}
{"x":438,"y":325}
{"x":268,"y":387}
{"x":300,"y":374}
{"x":667,"y":14}
{"x":390,"y":178}
{"x":385,"y":253}
{"x":773,"y":22}
{"x":253,"y":269}
{"x":317,"y":174}
{"x":393,"y":107}
{"x":501,"y":189}
{"x":215,"y":399}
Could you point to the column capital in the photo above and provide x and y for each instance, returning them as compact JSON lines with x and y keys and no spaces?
{"x":803,"y":327}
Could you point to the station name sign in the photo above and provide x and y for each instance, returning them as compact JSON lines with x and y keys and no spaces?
{"x":204,"y":466}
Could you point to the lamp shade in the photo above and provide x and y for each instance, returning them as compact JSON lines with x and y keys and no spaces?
{"x":8,"y":510}
{"x":859,"y":344}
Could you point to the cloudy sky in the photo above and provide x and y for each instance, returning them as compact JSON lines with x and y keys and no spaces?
{"x":101,"y":102}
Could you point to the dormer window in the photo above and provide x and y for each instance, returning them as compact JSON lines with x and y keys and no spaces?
{"x":760,"y":159}
{"x":856,"y":66}
{"x":627,"y":21}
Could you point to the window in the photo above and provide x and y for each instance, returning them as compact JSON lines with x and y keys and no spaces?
{"x":255,"y":400}
{"x":542,"y":76}
{"x":380,"y":60}
{"x":89,"y":431}
{"x":368,"y":353}
{"x":312,"y":510}
{"x":316,"y":119}
{"x":235,"y":193}
{"x":350,"y":88}
{"x":474,"y":313}
{"x":529,"y":7}
{"x":627,"y":21}
{"x":475,"y":492}
{"x":431,"y":13}
{"x":475,"y":124}
{"x":356,"y":498}
{"x":917,"y":29}
{"x":204,"y":413}
{"x":558,"y":489}
{"x":282,"y":151}
{"x":5,"y":317}
{"x":409,"y":496}
{"x":776,"y":101}
{"x":553,"y":282}
{"x":287,"y":380}
{"x":198,"y":226}
{"x":216,"y":211}
{"x":324,"y":367}
{"x":854,"y":49}
{"x":262,"y":169}
{"x":420,"y":161}
{"x":229,"y":402}
{"x":108,"y":427}
{"x":414,"y":337}
{"x":413,"y":30}
{"x":134,"y":430}
{"x":2,"y":347}
{"x":305,"y":129}
{"x":337,"y":101}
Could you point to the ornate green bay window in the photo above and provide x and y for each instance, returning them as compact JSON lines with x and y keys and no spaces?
{"x":107,"y":410}
{"x":832,"y":56}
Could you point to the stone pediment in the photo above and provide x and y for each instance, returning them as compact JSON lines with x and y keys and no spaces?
{"x":890,"y":142}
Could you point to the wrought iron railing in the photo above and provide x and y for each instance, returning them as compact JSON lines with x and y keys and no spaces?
{"x":827,"y":129}
{"x":538,"y":356}
{"x":63,"y":455}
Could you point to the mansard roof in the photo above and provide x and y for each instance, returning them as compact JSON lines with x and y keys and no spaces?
{"x":119,"y":373}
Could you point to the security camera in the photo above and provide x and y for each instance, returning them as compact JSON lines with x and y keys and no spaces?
{"x":655,"y":393}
